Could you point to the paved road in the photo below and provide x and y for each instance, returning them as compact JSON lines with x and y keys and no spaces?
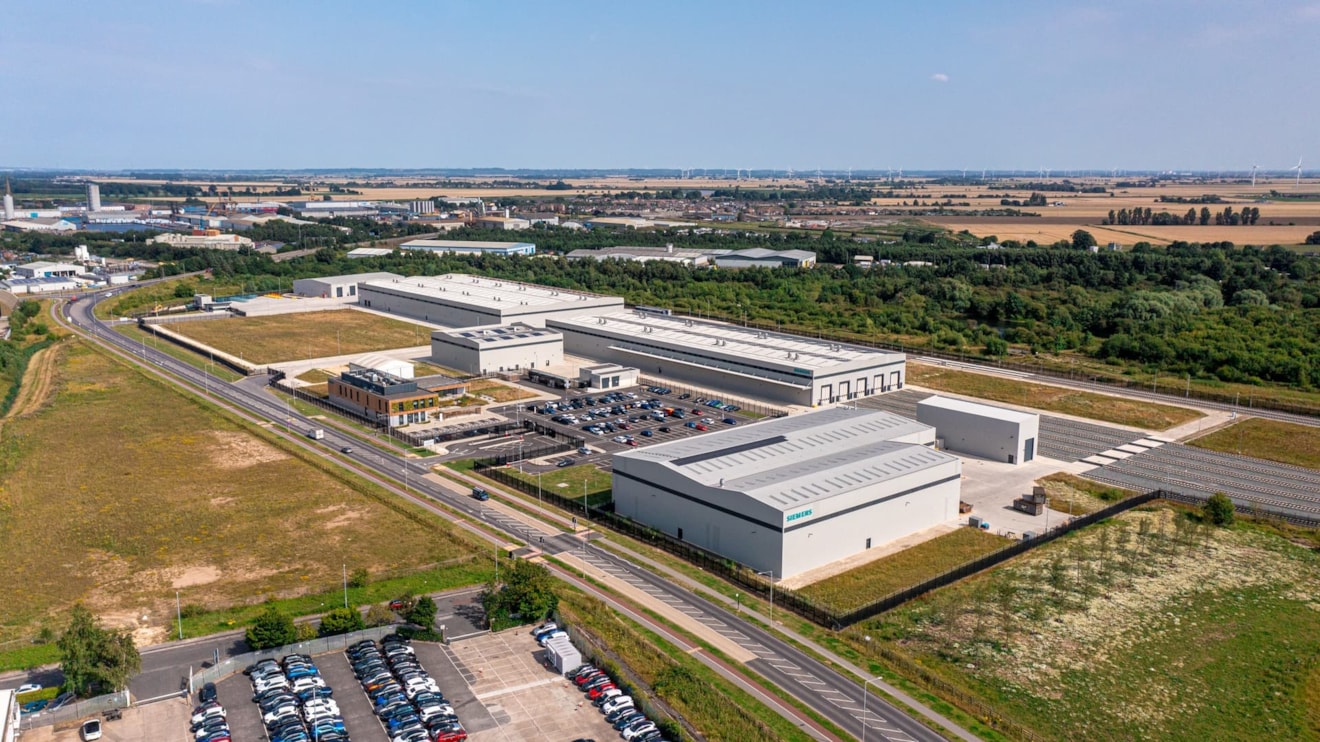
{"x":825,"y":690}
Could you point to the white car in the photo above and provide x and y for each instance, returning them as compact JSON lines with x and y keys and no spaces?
{"x":28,"y":688}
{"x":209,"y":712}
{"x":430,"y":712}
{"x":552,"y":635}
{"x":640,"y":729}
{"x":91,"y":729}
{"x":279,"y":712}
{"x":617,"y":703}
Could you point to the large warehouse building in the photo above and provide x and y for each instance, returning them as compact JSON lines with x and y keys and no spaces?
{"x":487,"y":350}
{"x":461,"y":300}
{"x":736,"y":360}
{"x":994,"y":433}
{"x":471,"y":247}
{"x":794,"y":493}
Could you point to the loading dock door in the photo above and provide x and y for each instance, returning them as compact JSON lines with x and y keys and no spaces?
{"x":1029,"y":450}
{"x":827,"y":393}
{"x":894,"y":382}
{"x":844,"y":391}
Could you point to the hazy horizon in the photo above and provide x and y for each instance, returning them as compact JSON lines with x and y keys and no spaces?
{"x":229,"y":85}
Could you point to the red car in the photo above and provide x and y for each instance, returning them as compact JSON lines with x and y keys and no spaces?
{"x":701,"y":426}
{"x":396,"y":605}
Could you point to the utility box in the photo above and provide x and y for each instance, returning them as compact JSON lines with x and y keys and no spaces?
{"x":563,"y":655}
{"x":1029,"y":506}
{"x":975,"y":521}
{"x":964,"y":507}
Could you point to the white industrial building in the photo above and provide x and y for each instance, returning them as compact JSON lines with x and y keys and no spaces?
{"x":46,"y":269}
{"x":994,"y":433}
{"x":737,"y":360}
{"x":461,"y":300}
{"x":760,"y":257}
{"x":338,"y":287}
{"x":203,"y":241}
{"x":10,"y":716}
{"x":491,"y":349}
{"x":369,"y":252}
{"x":471,"y":247}
{"x":607,"y":376}
{"x":40,"y":285}
{"x":668,"y":254}
{"x":793,"y":493}
{"x":384,"y":364}
{"x":511,"y":223}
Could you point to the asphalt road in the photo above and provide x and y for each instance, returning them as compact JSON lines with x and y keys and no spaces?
{"x":814,"y":688}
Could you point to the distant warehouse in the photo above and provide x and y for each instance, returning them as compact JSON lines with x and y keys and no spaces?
{"x":760,"y":257}
{"x":337,"y":287}
{"x":774,"y":366}
{"x":471,"y":247}
{"x":794,"y":493}
{"x":461,"y":300}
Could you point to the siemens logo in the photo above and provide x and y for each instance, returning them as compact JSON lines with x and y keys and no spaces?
{"x":799,"y":515}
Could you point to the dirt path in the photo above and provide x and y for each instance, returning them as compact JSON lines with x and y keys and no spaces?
{"x":37,"y":382}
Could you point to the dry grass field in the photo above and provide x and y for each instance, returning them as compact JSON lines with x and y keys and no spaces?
{"x":120,"y":490}
{"x":1138,"y":414}
{"x":291,"y":337}
{"x":499,"y":391}
{"x":1282,"y":221}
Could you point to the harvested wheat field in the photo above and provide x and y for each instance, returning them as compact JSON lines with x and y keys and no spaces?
{"x":120,"y":490}
{"x":289,"y":337}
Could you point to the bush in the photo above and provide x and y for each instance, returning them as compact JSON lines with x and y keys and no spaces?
{"x":341,"y":621}
{"x":358,"y":577}
{"x":379,"y":615}
{"x":304,"y":632}
{"x":423,"y":612}
{"x":1219,"y":510}
{"x":273,"y":628}
{"x":191,"y":610}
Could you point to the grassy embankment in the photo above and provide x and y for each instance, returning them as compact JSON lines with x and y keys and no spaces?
{"x":1287,"y":443}
{"x":1072,"y":494}
{"x":1148,"y":626}
{"x":1138,"y":414}
{"x":572,"y":482}
{"x":178,"y":352}
{"x":706,"y":700}
{"x":137,"y":491}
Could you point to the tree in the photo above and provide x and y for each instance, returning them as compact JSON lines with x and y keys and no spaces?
{"x":359,"y":577}
{"x":1205,"y":215}
{"x":273,"y":628}
{"x":422,"y":612}
{"x":1313,"y":238}
{"x":996,"y":346}
{"x":1082,"y":239}
{"x":341,"y":621}
{"x":526,"y":594}
{"x":1219,"y":509}
{"x":93,"y":658}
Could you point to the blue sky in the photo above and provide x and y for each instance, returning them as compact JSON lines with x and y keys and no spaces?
{"x":1153,"y":84}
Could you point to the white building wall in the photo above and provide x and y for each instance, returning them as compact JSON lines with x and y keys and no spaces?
{"x":547,"y":352}
{"x":453,"y":313}
{"x":932,"y":497}
{"x":983,"y":435}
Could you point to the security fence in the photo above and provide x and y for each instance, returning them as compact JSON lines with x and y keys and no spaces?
{"x":237,"y":663}
{"x":77,"y":710}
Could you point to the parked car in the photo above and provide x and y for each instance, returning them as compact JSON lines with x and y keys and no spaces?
{"x":730,"y":421}
{"x":90,"y":730}
{"x":207,"y":694}
{"x":584,"y":451}
{"x":28,"y":688}
{"x":565,"y":462}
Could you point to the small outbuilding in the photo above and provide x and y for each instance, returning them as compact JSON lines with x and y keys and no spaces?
{"x":995,"y":433}
{"x":563,"y":655}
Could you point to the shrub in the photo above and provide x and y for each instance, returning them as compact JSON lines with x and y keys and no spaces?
{"x":358,"y":577}
{"x":273,"y":628}
{"x":341,"y":621}
{"x":1219,"y":509}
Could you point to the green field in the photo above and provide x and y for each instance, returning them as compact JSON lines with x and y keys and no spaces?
{"x":289,"y":337}
{"x":179,"y":352}
{"x":1069,"y":493}
{"x":1147,"y":626}
{"x":1287,"y":443}
{"x":119,"y":490}
{"x":1147,"y":415}
{"x":569,"y":482}
{"x":870,"y":582}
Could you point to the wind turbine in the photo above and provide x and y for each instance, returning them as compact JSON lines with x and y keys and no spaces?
{"x":1298,"y":168}
{"x":1254,"y":168}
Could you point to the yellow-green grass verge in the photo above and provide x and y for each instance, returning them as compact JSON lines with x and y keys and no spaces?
{"x":1072,"y":494}
{"x":870,"y":582}
{"x":706,"y":700}
{"x":1169,"y":630}
{"x":162,"y":294}
{"x":422,"y":368}
{"x":136,"y":490}
{"x":289,"y":337}
{"x":1287,"y":443}
{"x":1138,"y":414}
{"x":498,"y":391}
{"x":178,"y":352}
{"x":314,"y":376}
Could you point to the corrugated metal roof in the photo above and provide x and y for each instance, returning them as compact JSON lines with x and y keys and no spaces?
{"x":976,"y":408}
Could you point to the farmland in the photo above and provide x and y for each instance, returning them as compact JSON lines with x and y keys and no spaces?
{"x":1138,"y":414}
{"x":1148,"y":626}
{"x":156,"y":492}
{"x":308,"y":335}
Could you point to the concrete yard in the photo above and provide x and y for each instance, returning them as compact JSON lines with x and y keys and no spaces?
{"x":527,"y":699}
{"x":163,"y":720}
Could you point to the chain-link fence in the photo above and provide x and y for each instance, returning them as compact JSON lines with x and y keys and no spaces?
{"x":76,"y":710}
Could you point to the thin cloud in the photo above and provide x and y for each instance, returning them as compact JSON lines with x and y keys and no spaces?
{"x":939,"y":77}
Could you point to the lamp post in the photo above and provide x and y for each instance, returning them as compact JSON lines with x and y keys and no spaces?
{"x":345,"y":584}
{"x":864,"y":695}
{"x":771,"y":574}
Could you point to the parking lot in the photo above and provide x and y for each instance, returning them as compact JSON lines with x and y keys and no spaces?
{"x":630,"y":421}
{"x":528,"y":699}
{"x":354,"y":706}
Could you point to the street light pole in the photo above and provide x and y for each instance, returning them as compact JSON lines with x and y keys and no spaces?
{"x":771,"y":574}
{"x":345,"y":584}
{"x":864,"y":695}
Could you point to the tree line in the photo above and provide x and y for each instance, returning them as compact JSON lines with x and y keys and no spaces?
{"x":1144,"y":216}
